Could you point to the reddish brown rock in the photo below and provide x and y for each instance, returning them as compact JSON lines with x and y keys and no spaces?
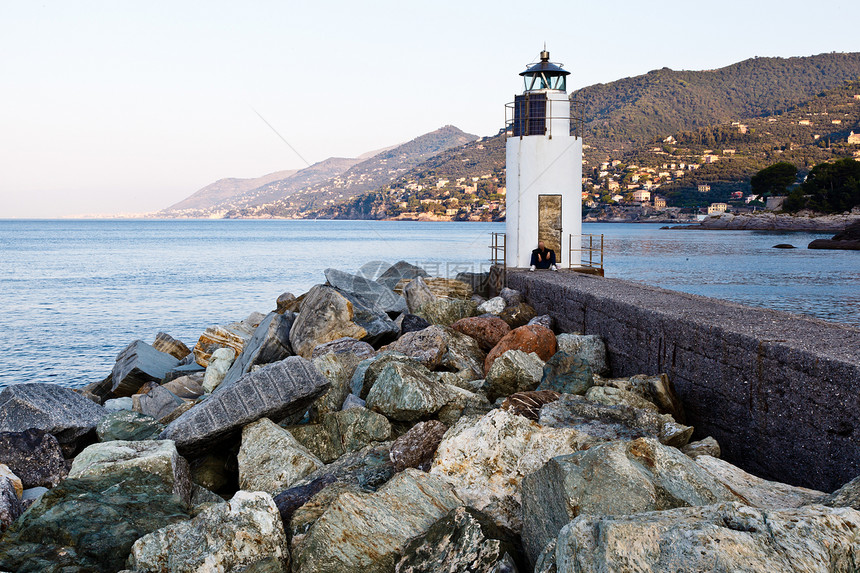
{"x":530,"y":338}
{"x":528,"y":404}
{"x":416,"y":448}
{"x":487,"y":330}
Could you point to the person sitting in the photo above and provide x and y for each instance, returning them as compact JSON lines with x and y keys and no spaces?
{"x":543,"y":258}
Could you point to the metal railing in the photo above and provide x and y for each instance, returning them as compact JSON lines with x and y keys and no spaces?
{"x":589,"y":254}
{"x":524,"y":124}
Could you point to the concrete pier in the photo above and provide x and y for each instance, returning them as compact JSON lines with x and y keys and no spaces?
{"x":780,"y":392}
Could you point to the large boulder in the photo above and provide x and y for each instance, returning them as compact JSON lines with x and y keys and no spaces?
{"x":344,"y":346}
{"x":48,"y":407}
{"x":169,"y":345}
{"x":406,"y":393}
{"x":846,"y":496}
{"x":613,"y":422}
{"x":157,"y":403}
{"x":127,"y":425}
{"x":616,"y":478}
{"x":440,"y":287}
{"x":486,"y":330}
{"x":367,"y":370}
{"x":10,"y":503}
{"x":220,"y":362}
{"x":338,"y":368}
{"x":373,"y":294}
{"x":588,"y":347}
{"x":493,"y":306}
{"x":35,"y":456}
{"x":656,"y":389}
{"x":417,"y":294}
{"x":367,"y":531}
{"x":234,"y":335}
{"x":487,"y":458}
{"x":610,"y":396}
{"x":187,"y":387}
{"x":724,"y":537}
{"x":137,"y":364}
{"x":410,"y":323}
{"x":514,"y":371}
{"x":442,"y":348}
{"x":271,"y":459}
{"x":280,"y":391}
{"x":446,"y":311}
{"x":399,"y":271}
{"x":342,"y":432}
{"x":232,"y":536}
{"x":416,"y":448}
{"x":567,"y":374}
{"x":328,"y":314}
{"x":518,"y":315}
{"x":269,"y":343}
{"x":531,"y":338}
{"x":464,"y":540}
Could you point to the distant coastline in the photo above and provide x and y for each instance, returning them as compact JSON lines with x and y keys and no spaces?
{"x":775,"y":222}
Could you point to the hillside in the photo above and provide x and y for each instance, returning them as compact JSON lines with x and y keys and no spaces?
{"x":225,"y":190}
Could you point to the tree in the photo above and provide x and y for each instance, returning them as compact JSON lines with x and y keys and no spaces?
{"x":774,"y":180}
{"x":833,"y":187}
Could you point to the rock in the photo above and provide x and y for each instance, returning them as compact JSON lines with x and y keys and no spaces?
{"x":444,"y":288}
{"x":543,"y":320}
{"x":283,"y":390}
{"x":610,"y":396}
{"x":229,"y":536}
{"x":286,"y":302}
{"x":454,"y":379}
{"x":373,"y":294}
{"x":486,"y":459}
{"x":613,"y":422}
{"x":10,"y":503}
{"x":403,"y":508}
{"x":399,"y":271}
{"x":725,"y":537}
{"x":233,"y":335}
{"x":187,"y":387}
{"x":303,"y":518}
{"x":129,"y":426}
{"x":169,"y":345}
{"x":415,"y":448}
{"x":157,"y":403}
{"x":49,"y":407}
{"x":417,"y":294}
{"x":518,"y":315}
{"x":486,"y":330}
{"x":590,"y":348}
{"x":35,"y":456}
{"x":117,"y":404}
{"x":119,"y":458}
{"x":439,"y":347}
{"x":705,"y":447}
{"x":17,"y":485}
{"x":271,"y":459}
{"x":848,"y":239}
{"x":338,"y":368}
{"x":291,"y":500}
{"x":528,"y":404}
{"x":534,"y":338}
{"x":754,"y":491}
{"x":411,"y":323}
{"x":784,"y":246}
{"x":137,"y":364}
{"x":100,"y":390}
{"x":464,"y":540}
{"x":342,"y":432}
{"x":367,"y":370}
{"x":567,"y":374}
{"x":480,"y":282}
{"x":345,"y":346}
{"x":368,"y":468}
{"x":175,"y":414}
{"x":220,"y":362}
{"x":656,"y":389}
{"x":846,"y":496}
{"x":461,"y":403}
{"x":511,"y":297}
{"x":327,"y":314}
{"x":353,"y":401}
{"x":617,"y":478}
{"x":269,"y":343}
{"x":406,"y":393}
{"x":445,"y":311}
{"x":493,"y":306}
{"x":512,"y":372}
{"x":89,"y":523}
{"x":31,"y":495}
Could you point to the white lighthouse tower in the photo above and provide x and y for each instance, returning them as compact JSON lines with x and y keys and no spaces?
{"x":544,"y":167}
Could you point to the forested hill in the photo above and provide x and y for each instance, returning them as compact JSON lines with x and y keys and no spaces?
{"x":632,"y":111}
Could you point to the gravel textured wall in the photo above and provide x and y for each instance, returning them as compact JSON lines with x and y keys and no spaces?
{"x":781,"y":393}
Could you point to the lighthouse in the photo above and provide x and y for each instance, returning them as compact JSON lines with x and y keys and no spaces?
{"x":544,"y":167}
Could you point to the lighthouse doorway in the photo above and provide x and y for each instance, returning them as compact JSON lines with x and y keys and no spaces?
{"x":549,"y":223}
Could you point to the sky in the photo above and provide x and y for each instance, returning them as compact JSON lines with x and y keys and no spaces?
{"x":114,"y":107}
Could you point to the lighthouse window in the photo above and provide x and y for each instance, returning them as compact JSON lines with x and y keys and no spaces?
{"x":541,"y":82}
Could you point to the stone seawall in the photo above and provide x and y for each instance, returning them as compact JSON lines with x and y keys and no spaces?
{"x":781,"y":393}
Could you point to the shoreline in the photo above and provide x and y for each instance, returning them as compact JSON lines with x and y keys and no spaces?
{"x":774,"y":222}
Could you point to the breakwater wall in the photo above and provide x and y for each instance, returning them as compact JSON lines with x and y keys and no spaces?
{"x":781,"y":393}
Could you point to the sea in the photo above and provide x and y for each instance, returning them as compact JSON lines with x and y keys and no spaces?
{"x":74,"y":293}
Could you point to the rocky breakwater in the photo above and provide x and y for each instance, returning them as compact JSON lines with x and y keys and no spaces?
{"x":768,"y":221}
{"x":359,"y":429}
{"x":846,"y":240}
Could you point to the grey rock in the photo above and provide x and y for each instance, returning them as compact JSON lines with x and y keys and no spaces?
{"x":35,"y":456}
{"x":219,"y":363}
{"x":169,"y":345}
{"x":705,"y":447}
{"x":446,"y":311}
{"x":188,"y":387}
{"x":846,"y":496}
{"x":157,"y":403}
{"x":269,"y":343}
{"x":286,"y":302}
{"x":137,"y":364}
{"x":270,"y":458}
{"x":368,"y":468}
{"x":345,"y":345}
{"x":543,"y":320}
{"x":128,"y":426}
{"x":417,"y":294}
{"x":613,"y":422}
{"x":32,"y":494}
{"x":291,"y":500}
{"x":462,"y":403}
{"x":403,"y":508}
{"x":725,"y":537}
{"x":514,"y":371}
{"x":305,"y":516}
{"x":231,"y":536}
{"x":614,"y":397}
{"x":511,"y":297}
{"x":589,"y":347}
{"x":518,"y":315}
{"x":10,"y":506}
{"x":117,"y":404}
{"x":338,"y":368}
{"x":415,"y":448}
{"x":493,"y":306}
{"x":283,"y":390}
{"x":656,"y":389}
{"x":365,"y":373}
{"x":464,"y":540}
{"x":399,"y":271}
{"x":411,"y":323}
{"x":617,"y":478}
{"x":567,"y":374}
{"x":342,"y":432}
{"x":480,"y":282}
{"x":406,"y":393}
{"x":442,"y":348}
{"x":375,"y":295}
{"x":54,"y":409}
{"x":100,"y":390}
{"x":353,"y":401}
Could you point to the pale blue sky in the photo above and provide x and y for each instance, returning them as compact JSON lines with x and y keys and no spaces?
{"x":119,"y":106}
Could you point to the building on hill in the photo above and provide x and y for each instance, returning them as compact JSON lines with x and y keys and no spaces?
{"x":704,"y":188}
{"x":854,"y":138}
{"x":659,"y":203}
{"x":717,"y":208}
{"x":642,"y":196}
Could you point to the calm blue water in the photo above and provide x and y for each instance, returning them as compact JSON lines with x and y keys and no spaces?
{"x":74,"y":293}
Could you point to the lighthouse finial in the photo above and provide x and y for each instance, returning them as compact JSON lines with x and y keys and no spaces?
{"x":544,"y":55}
